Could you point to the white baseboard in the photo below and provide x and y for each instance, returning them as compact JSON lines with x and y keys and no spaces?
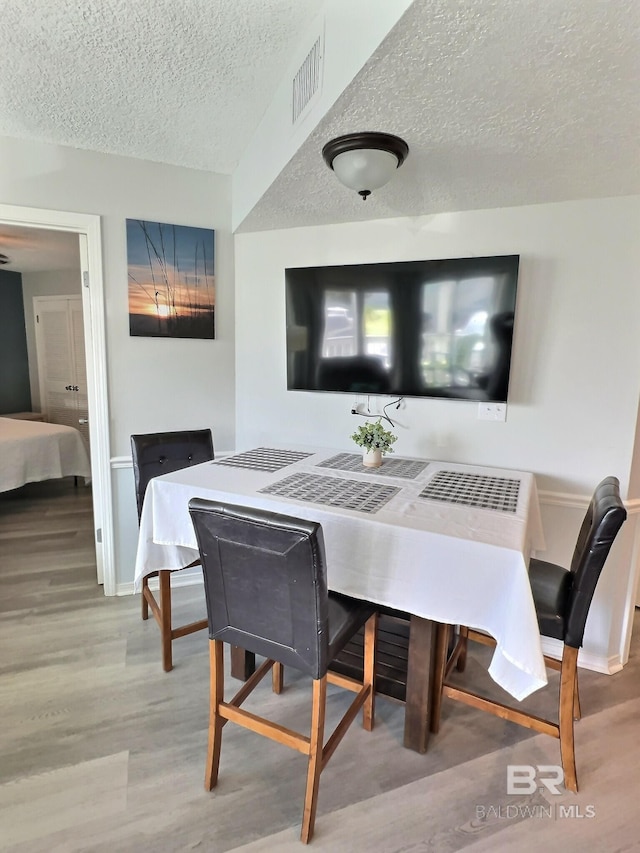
{"x":586,"y":660}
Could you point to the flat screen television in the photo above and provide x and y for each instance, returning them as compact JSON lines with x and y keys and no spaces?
{"x":432,"y":328}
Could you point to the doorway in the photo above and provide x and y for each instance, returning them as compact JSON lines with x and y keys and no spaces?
{"x":87,"y":229}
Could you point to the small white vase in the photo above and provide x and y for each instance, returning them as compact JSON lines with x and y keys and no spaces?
{"x":372,"y":458}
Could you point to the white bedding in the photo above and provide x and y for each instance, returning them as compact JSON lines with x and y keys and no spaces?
{"x":31,"y":451}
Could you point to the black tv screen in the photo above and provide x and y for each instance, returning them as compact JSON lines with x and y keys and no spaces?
{"x":432,"y":328}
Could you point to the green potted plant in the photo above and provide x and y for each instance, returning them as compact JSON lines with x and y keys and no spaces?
{"x":375,"y":441}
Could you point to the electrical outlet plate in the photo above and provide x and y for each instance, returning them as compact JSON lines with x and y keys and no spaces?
{"x":492,"y":411}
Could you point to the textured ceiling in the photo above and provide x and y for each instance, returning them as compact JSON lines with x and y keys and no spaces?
{"x":502,"y":102}
{"x":176,"y":81}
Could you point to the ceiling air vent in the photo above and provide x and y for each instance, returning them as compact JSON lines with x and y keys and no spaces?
{"x":306,"y":83}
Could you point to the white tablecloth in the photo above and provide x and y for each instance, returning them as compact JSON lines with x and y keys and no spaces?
{"x":448,"y":562}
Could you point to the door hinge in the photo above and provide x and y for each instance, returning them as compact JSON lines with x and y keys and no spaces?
{"x":99,"y":534}
{"x":85,"y":278}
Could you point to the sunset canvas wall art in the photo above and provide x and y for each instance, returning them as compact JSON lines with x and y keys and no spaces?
{"x":171,"y":280}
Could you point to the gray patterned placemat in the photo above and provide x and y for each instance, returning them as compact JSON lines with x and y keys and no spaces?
{"x":408,"y":469}
{"x":331,"y":491}
{"x":263,"y":459}
{"x":478,"y":490}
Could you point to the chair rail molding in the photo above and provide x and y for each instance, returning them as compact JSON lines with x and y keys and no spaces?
{"x":127,"y":462}
{"x":573,"y":501}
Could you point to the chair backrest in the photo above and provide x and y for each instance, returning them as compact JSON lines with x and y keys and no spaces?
{"x":163,"y":452}
{"x":265,"y":583}
{"x":604,"y":518}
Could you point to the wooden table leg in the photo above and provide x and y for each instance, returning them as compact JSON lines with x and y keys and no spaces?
{"x":422,"y":647}
{"x":243,"y":663}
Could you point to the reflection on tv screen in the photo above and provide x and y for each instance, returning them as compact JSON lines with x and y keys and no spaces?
{"x":417,"y":328}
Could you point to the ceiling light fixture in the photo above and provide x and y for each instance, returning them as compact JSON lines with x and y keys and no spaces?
{"x":365,"y":161}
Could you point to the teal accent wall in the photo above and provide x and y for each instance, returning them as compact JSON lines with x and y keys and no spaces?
{"x":15,"y":391}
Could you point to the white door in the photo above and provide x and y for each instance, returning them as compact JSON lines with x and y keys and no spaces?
{"x":62,"y":370}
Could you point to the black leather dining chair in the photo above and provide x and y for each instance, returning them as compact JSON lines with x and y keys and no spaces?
{"x":562,"y":599}
{"x":155,"y":454}
{"x":266,"y":591}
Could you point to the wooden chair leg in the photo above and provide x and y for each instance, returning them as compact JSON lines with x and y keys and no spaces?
{"x":243,"y":663}
{"x":145,"y":603}
{"x":567,"y":698}
{"x":314,"y":767}
{"x":277,"y":677}
{"x":440,"y":664}
{"x":463,"y":639}
{"x":216,"y":722}
{"x":165,"y":627}
{"x":577,"y":711}
{"x":369,"y":671}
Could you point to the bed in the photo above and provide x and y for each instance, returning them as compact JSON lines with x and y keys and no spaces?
{"x":31,"y":451}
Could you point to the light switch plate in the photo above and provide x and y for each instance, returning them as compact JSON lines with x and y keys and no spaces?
{"x":492,"y":411}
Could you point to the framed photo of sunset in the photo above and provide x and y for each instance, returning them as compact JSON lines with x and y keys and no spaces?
{"x":171,"y":274}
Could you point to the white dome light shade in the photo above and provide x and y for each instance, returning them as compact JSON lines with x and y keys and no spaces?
{"x":365,"y":168}
{"x":365,"y":161}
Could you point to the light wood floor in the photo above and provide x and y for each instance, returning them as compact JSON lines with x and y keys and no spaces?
{"x":100,"y":750}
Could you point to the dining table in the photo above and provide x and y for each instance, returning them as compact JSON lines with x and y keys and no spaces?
{"x":444,"y":542}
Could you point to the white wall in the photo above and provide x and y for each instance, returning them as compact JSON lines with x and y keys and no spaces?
{"x":575,"y":378}
{"x":197,"y":377}
{"x":154,"y":384}
{"x":575,"y":373}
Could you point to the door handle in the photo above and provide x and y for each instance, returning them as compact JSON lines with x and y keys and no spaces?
{"x":83,"y":421}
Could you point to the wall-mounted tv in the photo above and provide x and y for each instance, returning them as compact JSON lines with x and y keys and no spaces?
{"x":432,"y":328}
